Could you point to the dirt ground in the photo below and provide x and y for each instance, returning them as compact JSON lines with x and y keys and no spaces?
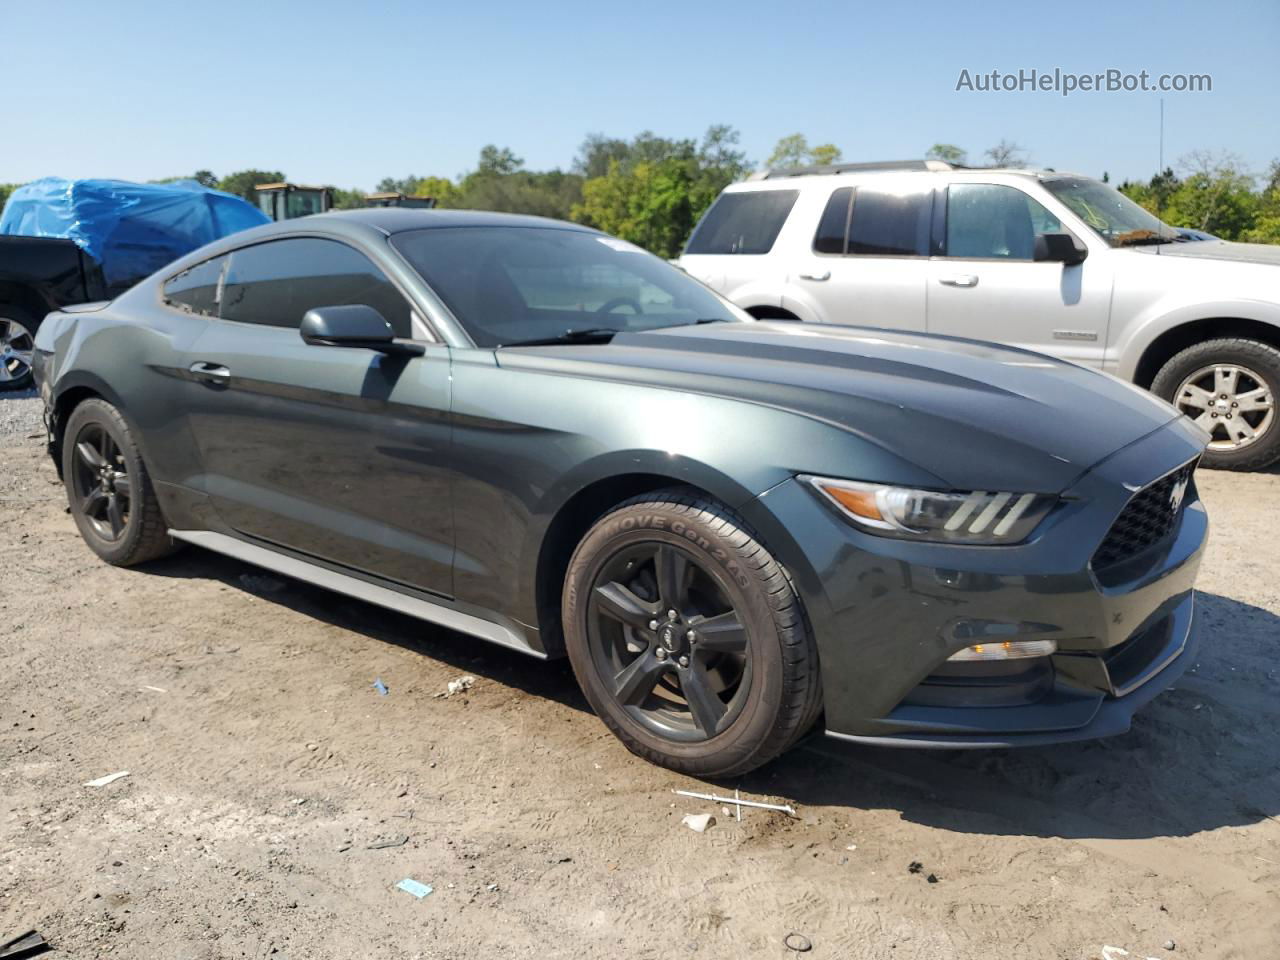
{"x":264,"y":767}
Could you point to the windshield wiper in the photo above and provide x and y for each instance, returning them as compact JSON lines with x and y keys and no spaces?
{"x":590,"y":335}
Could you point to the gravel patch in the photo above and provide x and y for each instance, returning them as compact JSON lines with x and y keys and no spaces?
{"x":20,"y":413}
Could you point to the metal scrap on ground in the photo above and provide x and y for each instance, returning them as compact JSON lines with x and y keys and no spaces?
{"x":109,"y":778}
{"x":734,"y":801}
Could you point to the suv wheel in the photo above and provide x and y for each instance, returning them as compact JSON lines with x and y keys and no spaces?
{"x":17,"y":347}
{"x":1228,"y":387}
{"x":110,"y":492}
{"x":687,"y":637}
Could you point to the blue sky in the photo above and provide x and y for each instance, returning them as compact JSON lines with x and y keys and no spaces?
{"x":347,"y":93}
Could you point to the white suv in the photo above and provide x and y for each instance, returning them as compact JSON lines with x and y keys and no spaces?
{"x":1052,"y":262}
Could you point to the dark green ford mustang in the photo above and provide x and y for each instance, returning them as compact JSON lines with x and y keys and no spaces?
{"x":544,"y":437}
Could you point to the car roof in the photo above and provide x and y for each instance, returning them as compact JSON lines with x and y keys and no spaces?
{"x":392,"y":220}
{"x":825,"y":180}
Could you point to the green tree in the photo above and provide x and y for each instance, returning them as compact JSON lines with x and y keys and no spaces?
{"x":790,"y":151}
{"x":347,"y":199}
{"x":824,"y":154}
{"x":1266,"y":222}
{"x":1214,"y":194}
{"x":654,"y":192}
{"x":441,"y":188}
{"x":947,"y":152}
{"x":1006,"y":153}
{"x":596,"y":152}
{"x":206,"y":179}
{"x":242,"y":182}
{"x":794,"y":151}
{"x":498,"y":160}
{"x":5,"y":190}
{"x":406,"y":185}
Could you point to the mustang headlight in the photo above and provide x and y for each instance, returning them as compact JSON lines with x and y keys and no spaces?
{"x":975,"y":516}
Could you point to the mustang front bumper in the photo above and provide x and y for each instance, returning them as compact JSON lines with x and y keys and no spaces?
{"x":888,"y":613}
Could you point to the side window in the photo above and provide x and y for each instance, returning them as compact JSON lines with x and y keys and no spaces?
{"x":197,"y":288}
{"x":276,"y":282}
{"x":890,"y":223}
{"x":744,"y":222}
{"x":834,"y":225}
{"x":988,"y":220}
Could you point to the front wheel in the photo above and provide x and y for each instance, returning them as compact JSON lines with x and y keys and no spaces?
{"x":1228,"y":387}
{"x":687,"y":638}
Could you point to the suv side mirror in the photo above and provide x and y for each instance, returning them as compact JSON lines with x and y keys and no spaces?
{"x":1060,"y":248}
{"x":353,"y":325}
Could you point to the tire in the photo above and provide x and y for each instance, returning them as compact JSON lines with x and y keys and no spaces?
{"x":108,"y":488}
{"x":1211,"y":381}
{"x":763,"y":673}
{"x":17,"y":342}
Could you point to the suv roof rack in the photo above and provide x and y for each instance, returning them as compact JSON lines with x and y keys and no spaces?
{"x":825,"y":169}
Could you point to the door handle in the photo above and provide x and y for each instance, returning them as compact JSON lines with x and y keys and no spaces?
{"x":210,"y":373}
{"x":962,"y":280}
{"x":825,"y":275}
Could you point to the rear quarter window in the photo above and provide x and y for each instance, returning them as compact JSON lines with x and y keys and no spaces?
{"x":196,"y":289}
{"x":743,"y":223}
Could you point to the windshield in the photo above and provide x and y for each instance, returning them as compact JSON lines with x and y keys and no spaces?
{"x":1111,"y":215}
{"x":508,"y":285}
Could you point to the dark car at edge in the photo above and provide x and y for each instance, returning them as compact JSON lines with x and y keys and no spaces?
{"x":544,"y":437}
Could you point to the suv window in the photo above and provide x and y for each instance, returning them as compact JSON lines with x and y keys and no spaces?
{"x":874,"y":221}
{"x":196,"y":289}
{"x":890,"y":223}
{"x":988,"y":220}
{"x":834,"y":225}
{"x":746,"y":222}
{"x":276,"y":282}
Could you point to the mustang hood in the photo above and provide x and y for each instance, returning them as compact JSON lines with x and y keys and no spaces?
{"x":970,"y":413}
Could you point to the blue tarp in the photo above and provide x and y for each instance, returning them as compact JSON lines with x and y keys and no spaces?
{"x":132,"y":229}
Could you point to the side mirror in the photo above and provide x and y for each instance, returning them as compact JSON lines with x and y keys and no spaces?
{"x":1059,"y":248}
{"x":354,"y":325}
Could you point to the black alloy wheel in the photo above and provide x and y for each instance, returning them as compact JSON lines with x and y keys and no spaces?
{"x":687,"y":637}
{"x":100,"y":482}
{"x":666,"y":633}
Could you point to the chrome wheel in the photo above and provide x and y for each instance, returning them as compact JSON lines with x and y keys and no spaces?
{"x":1232,"y":402}
{"x":17,"y":347}
{"x":101,"y":484}
{"x":667,"y":642}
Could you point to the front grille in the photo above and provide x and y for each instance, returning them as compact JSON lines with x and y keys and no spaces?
{"x":1146,"y":519}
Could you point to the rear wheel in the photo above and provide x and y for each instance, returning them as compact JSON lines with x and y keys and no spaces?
{"x":109,"y":489}
{"x":17,"y":347}
{"x":1228,"y":387}
{"x":687,"y":638}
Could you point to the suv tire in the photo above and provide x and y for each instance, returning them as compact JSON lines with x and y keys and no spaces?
{"x":687,"y":637}
{"x":1211,"y":382}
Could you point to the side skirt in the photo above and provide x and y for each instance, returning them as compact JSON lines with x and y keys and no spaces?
{"x":433,"y":612}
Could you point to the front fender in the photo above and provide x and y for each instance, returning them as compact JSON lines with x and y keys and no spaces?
{"x":1163,"y":316}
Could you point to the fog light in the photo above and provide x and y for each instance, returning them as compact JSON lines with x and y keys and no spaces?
{"x":1006,"y":650}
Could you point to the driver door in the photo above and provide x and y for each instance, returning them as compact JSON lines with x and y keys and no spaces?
{"x":338,"y":453}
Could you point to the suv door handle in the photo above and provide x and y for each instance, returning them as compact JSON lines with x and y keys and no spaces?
{"x":825,"y":275}
{"x":207,"y":372}
{"x":962,"y":280}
